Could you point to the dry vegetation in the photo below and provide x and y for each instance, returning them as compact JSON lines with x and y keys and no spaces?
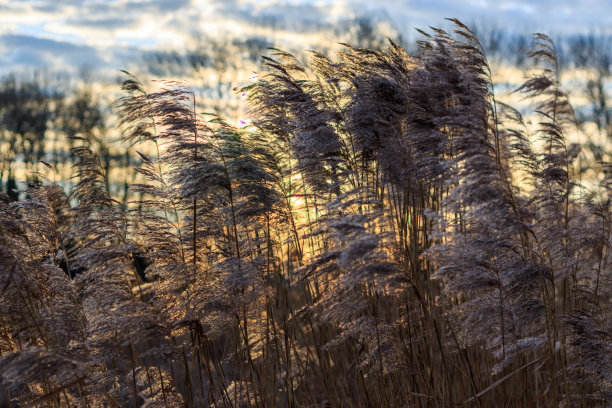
{"x":386,"y":234}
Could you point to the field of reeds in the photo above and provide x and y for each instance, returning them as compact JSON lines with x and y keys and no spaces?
{"x":384,"y":233}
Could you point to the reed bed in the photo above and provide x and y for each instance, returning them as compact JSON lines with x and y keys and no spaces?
{"x":387,"y":233}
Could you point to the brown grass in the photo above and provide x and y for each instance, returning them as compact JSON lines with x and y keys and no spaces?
{"x":366,"y":243}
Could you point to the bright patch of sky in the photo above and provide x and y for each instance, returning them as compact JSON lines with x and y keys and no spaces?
{"x":104,"y":33}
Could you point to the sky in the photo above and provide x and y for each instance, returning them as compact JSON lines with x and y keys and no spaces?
{"x":64,"y":34}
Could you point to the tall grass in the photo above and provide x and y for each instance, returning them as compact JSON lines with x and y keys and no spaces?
{"x":387,"y":233}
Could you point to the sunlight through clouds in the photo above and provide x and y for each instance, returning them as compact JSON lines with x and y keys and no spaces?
{"x":106,"y":30}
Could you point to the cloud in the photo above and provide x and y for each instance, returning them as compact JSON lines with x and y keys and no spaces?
{"x":104,"y":31}
{"x":102,"y":22}
{"x":23,"y":50}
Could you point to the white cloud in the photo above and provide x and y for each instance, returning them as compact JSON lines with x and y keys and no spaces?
{"x":104,"y":30}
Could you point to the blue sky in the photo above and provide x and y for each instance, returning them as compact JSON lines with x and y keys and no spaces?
{"x":107,"y":33}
